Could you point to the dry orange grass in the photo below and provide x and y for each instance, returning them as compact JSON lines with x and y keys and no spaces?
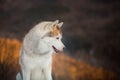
{"x":9,"y":49}
{"x":64,"y":67}
{"x":67,"y":68}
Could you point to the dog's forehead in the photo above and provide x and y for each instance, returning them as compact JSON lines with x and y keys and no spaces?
{"x":55,"y":30}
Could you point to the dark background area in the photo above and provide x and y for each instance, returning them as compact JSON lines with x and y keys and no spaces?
{"x":91,"y":30}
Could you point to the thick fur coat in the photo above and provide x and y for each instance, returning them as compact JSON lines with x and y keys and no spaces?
{"x":39,"y":44}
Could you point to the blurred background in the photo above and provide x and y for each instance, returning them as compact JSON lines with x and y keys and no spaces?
{"x":91,"y":34}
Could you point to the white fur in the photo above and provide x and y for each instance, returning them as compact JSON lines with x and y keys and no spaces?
{"x":36,"y":52}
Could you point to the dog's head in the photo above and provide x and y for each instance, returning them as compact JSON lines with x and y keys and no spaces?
{"x":54,"y":35}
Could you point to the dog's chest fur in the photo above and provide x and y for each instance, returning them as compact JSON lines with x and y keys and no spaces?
{"x":33,"y":61}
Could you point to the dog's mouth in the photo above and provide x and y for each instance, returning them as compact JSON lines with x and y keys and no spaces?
{"x":56,"y":50}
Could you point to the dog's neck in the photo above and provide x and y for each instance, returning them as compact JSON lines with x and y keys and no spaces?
{"x":32,"y":54}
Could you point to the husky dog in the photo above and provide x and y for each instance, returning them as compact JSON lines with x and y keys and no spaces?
{"x":36,"y":52}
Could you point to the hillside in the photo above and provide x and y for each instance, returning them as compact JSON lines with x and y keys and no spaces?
{"x":64,"y":67}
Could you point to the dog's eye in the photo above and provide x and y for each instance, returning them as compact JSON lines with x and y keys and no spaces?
{"x":57,"y":37}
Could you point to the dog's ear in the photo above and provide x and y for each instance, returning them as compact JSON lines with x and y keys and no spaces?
{"x":54,"y":23}
{"x":60,"y":24}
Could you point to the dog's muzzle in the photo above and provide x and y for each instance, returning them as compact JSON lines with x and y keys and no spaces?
{"x":56,"y":50}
